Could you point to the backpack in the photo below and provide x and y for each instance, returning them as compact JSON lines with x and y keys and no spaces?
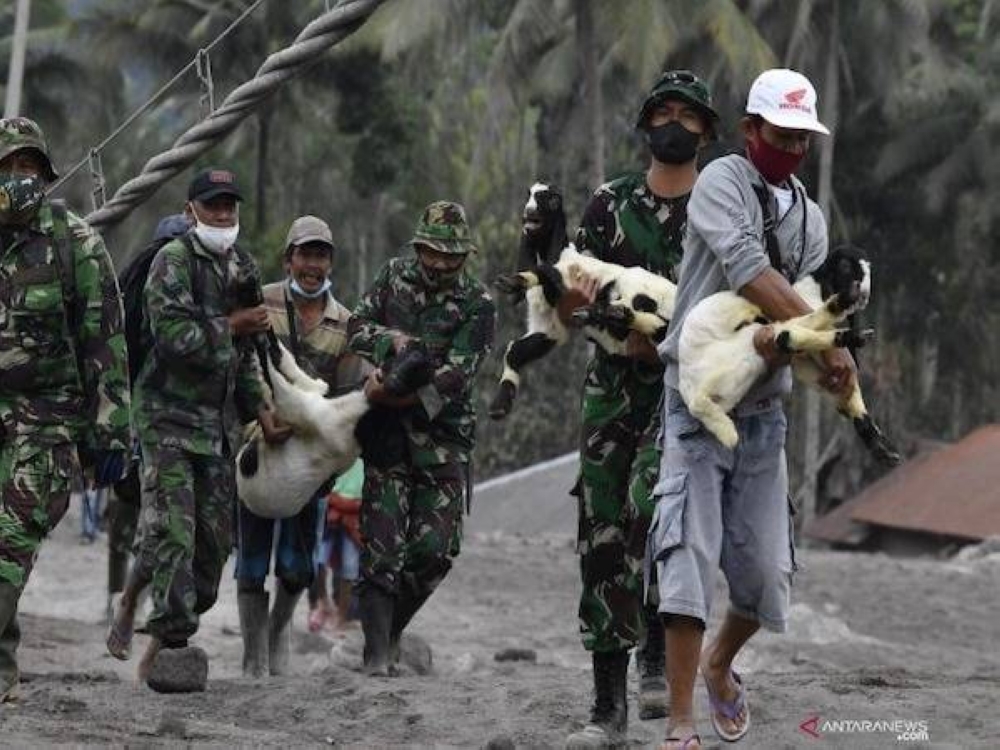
{"x":131,"y":282}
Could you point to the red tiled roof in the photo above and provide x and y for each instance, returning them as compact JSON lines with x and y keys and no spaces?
{"x":954,"y":491}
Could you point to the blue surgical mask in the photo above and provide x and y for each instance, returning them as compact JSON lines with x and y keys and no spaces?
{"x":310,"y":295}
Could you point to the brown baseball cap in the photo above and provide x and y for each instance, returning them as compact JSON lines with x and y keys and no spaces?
{"x":309,"y":229}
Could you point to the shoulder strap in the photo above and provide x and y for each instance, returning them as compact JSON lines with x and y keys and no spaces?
{"x":67,"y":276}
{"x":64,"y":258}
{"x":293,"y":333}
{"x":770,"y":238}
{"x":195,"y":286}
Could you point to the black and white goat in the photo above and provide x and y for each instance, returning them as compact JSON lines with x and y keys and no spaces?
{"x":718,"y":363}
{"x":628,"y":298}
{"x":275,"y":480}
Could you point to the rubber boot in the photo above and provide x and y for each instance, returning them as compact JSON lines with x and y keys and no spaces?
{"x":408,"y":603}
{"x":608,"y":727}
{"x":279,"y":630}
{"x":253,"y":627}
{"x":650,"y":660}
{"x":415,"y":589}
{"x":376,"y":623}
{"x":10,"y":637}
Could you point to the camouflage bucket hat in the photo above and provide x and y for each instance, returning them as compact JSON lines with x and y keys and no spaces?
{"x":17,"y":133}
{"x":443,"y":227}
{"x":683,"y":85}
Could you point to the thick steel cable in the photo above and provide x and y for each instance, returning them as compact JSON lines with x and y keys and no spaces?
{"x":323,"y":33}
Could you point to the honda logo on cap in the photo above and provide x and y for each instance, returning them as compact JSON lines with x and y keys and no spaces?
{"x":221,"y":175}
{"x":793,"y":100}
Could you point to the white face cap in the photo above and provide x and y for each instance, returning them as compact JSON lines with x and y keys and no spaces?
{"x":785,"y":99}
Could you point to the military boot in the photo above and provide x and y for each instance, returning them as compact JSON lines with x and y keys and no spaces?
{"x":650,"y":660}
{"x":376,"y":622}
{"x":608,"y":727}
{"x":10,"y":637}
{"x":279,"y":633}
{"x":253,"y":627}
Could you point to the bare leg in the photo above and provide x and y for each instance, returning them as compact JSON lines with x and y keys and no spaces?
{"x":145,"y":666}
{"x":322,"y":608}
{"x":717,"y":662}
{"x":683,"y":648}
{"x":343,"y":606}
{"x":119,"y":641}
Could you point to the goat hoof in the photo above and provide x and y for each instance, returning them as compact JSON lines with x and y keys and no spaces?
{"x":499,"y":409}
{"x":503,"y":402}
{"x":512,"y":283}
{"x":854,"y":339}
{"x":784,"y":342}
{"x":887,"y":455}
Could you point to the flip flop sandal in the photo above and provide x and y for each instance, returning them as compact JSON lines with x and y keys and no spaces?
{"x":685,"y":741}
{"x":317,"y":619}
{"x":730,"y":709}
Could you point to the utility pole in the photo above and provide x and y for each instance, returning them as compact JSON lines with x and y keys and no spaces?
{"x":15,"y":76}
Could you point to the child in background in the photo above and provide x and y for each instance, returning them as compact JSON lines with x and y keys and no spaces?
{"x":340,"y":552}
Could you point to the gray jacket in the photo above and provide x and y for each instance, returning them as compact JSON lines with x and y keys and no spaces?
{"x":724,"y":250}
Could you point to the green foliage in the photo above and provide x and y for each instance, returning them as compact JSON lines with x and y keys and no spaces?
{"x":472,"y":100}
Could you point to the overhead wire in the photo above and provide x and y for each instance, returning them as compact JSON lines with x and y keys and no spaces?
{"x":155,"y":98}
{"x":317,"y":37}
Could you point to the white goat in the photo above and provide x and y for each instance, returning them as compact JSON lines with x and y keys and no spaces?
{"x":275,"y":480}
{"x":718,"y":363}
{"x":628,"y":298}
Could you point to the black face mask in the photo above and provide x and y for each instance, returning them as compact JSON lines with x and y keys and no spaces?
{"x":672,"y":143}
{"x":436,"y":279}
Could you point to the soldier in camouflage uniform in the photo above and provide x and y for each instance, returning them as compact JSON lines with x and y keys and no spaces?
{"x":313,"y":326}
{"x":637,"y":219}
{"x":63,"y":383}
{"x":411,"y":513}
{"x":198,"y":382}
{"x":123,"y":509}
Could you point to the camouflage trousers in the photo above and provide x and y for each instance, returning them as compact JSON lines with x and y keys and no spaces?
{"x":411,"y":525}
{"x":619,"y":462}
{"x":185,"y":534}
{"x":35,"y":485}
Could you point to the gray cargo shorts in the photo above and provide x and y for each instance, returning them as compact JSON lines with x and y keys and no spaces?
{"x":721,"y":508}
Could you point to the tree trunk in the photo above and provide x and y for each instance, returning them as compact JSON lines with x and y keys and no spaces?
{"x":831,"y":95}
{"x":593,"y":109}
{"x":263,"y":167}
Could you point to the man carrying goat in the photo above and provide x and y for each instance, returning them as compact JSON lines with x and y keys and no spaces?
{"x":313,"y":327}
{"x":635,"y":220}
{"x":728,"y":507}
{"x":411,"y":512}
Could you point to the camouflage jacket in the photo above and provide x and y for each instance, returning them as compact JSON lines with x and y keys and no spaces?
{"x":63,"y":372}
{"x":198,"y":381}
{"x":625,"y":223}
{"x":322,"y":350}
{"x":456,"y":325}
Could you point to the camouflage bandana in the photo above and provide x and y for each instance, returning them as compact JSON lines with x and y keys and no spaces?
{"x":20,"y":197}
